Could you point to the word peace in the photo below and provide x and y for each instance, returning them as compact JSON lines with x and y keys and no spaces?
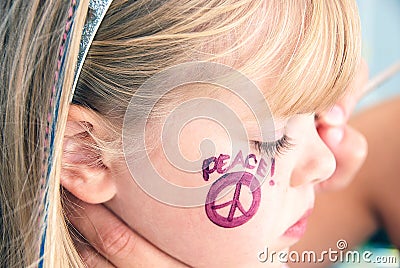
{"x":218,"y":164}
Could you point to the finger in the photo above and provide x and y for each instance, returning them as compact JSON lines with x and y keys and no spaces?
{"x":114,"y":240}
{"x":350,"y":153}
{"x":333,"y":117}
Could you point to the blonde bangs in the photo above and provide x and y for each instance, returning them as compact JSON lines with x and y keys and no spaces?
{"x":302,"y":54}
{"x":318,"y":59}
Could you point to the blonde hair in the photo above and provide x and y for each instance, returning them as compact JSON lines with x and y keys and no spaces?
{"x":310,"y":48}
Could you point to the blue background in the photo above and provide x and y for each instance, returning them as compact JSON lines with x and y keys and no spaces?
{"x":380,"y":22}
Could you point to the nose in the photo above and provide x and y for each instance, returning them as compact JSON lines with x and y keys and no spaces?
{"x":316,"y":163}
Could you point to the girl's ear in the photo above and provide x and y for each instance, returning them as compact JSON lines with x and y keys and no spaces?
{"x":84,"y":172}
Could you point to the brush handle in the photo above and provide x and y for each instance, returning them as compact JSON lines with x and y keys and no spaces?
{"x":382,"y":77}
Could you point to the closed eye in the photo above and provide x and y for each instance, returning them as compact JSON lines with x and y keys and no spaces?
{"x":274,"y":148}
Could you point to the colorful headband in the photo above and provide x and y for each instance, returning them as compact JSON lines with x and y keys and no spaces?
{"x":97,"y":11}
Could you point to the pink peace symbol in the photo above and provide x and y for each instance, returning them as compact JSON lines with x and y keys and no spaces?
{"x":240,"y":179}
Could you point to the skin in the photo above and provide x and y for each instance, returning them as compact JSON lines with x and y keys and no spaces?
{"x":204,"y":244}
{"x":347,"y":143}
{"x":371,"y":207}
{"x":187,"y":235}
{"x":369,"y":202}
{"x":124,"y":246}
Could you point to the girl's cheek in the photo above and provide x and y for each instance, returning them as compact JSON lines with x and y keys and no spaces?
{"x":235,"y":194}
{"x":234,"y":183}
{"x":241,"y":186}
{"x":244,"y":205}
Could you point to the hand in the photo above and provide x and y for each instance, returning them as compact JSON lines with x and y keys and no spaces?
{"x":347,"y":144}
{"x":108,"y":242}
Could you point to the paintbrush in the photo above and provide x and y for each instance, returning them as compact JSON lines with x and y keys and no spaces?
{"x":382,"y":77}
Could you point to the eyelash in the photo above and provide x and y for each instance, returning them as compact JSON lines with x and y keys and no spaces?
{"x":274,"y":148}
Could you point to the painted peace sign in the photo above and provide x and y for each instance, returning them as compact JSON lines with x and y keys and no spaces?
{"x":240,"y":179}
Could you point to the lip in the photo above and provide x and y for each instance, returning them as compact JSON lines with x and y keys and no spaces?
{"x":298,"y":229}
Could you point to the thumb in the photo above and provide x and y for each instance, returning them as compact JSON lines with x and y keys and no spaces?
{"x":350,"y":149}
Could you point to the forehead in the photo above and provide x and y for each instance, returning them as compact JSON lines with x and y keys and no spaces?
{"x":228,"y":108}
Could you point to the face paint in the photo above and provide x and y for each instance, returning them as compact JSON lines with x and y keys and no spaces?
{"x":218,"y":164}
{"x":221,"y":163}
{"x":237,"y":161}
{"x":272,"y":172}
{"x":262,"y":168}
{"x":206,"y":167}
{"x":250,"y":156}
{"x":272,"y":167}
{"x":241,"y":179}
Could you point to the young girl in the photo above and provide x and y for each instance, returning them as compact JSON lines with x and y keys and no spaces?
{"x":169,"y":122}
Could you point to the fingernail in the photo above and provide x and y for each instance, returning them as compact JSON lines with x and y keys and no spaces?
{"x":334,"y":136}
{"x":335,"y":116}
